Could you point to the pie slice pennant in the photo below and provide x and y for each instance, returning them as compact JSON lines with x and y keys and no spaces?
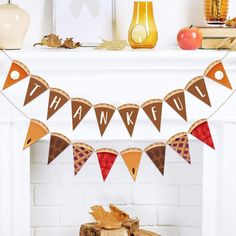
{"x":176,"y":100}
{"x":36,"y":87}
{"x":17,"y":72}
{"x":157,"y":152}
{"x":153,"y":109}
{"x":197,"y":87}
{"x":58,"y":143}
{"x":180,"y":144}
{"x":106,"y":159}
{"x":129,"y":114}
{"x":216,"y":72}
{"x":57,"y":99}
{"x":201,"y":131}
{"x":104,"y":113}
{"x":82,"y":152}
{"x":132,"y":158}
{"x":36,"y":131}
{"x":80,"y":107}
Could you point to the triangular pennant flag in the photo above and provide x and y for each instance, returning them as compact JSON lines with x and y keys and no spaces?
{"x":36,"y":87}
{"x":57,"y":99}
{"x":201,"y":131}
{"x":82,"y":152}
{"x":197,"y":87}
{"x":216,"y":72}
{"x":129,"y":114}
{"x":104,"y":113}
{"x":180,"y":144}
{"x":80,"y":107}
{"x":106,"y":159}
{"x":153,"y":109}
{"x":58,"y":143}
{"x":176,"y":100}
{"x":132,"y":158}
{"x":157,"y":152}
{"x":17,"y":72}
{"x":36,"y":131}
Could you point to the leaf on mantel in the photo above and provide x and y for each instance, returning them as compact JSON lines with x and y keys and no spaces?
{"x":113,"y":45}
{"x":68,"y":43}
{"x":231,"y":22}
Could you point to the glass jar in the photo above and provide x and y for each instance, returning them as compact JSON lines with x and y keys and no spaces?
{"x":216,"y":11}
{"x":143,"y":30}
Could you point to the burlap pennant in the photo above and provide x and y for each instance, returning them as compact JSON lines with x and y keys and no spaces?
{"x":216,"y":72}
{"x":57,"y":99}
{"x":153,"y":109}
{"x":80,"y":107}
{"x":17,"y":72}
{"x":176,"y":100}
{"x":36,"y":87}
{"x":104,"y":113}
{"x":36,"y":131}
{"x":180,"y":144}
{"x":132,"y":158}
{"x":156,"y":152}
{"x":197,"y":87}
{"x":82,"y":152}
{"x":106,"y":159}
{"x":201,"y":131}
{"x":58,"y":143}
{"x":129,"y":114}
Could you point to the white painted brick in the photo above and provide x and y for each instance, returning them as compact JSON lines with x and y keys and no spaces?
{"x":75,"y":216}
{"x":56,"y":232}
{"x":58,"y":195}
{"x":39,"y":152}
{"x":190,"y":231}
{"x":44,"y":216}
{"x":190,"y":195}
{"x":185,"y":216}
{"x":105,"y":194}
{"x":164,"y":230}
{"x":41,"y":173}
{"x":155,"y":194}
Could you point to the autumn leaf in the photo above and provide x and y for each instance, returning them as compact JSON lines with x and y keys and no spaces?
{"x":113,"y":45}
{"x":68,"y":43}
{"x":231,"y":22}
{"x":50,"y":40}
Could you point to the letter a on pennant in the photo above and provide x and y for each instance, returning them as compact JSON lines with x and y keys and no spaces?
{"x":36,"y":131}
{"x":197,"y":87}
{"x":17,"y":72}
{"x":36,"y":87}
{"x":176,"y":100}
{"x":129,"y":114}
{"x":216,"y":72}
{"x":57,"y":99}
{"x":104,"y":113}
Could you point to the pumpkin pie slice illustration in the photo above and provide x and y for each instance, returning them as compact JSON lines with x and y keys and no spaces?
{"x":82,"y":152}
{"x":157,"y":152}
{"x":36,"y":131}
{"x":201,"y":131}
{"x":216,"y":72}
{"x":132,"y":158}
{"x":18,"y":71}
{"x":80,"y":107}
{"x":58,"y":143}
{"x":106,"y":159}
{"x":180,"y":144}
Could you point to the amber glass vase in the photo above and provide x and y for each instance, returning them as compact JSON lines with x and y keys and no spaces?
{"x":216,"y":11}
{"x":143,"y":30}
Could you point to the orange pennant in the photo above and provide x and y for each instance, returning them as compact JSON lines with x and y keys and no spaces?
{"x":132,"y":158}
{"x":36,"y":131}
{"x":216,"y":72}
{"x":176,"y":100}
{"x":36,"y":87}
{"x":57,"y":99}
{"x":17,"y":72}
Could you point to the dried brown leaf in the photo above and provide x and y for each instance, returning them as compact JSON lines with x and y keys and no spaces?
{"x":69,"y":43}
{"x":50,"y":40}
{"x":113,"y":45}
{"x":118,"y":213}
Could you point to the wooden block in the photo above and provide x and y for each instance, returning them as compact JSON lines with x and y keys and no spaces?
{"x":143,"y":232}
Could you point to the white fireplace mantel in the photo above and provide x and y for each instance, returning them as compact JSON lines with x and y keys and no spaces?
{"x":117,"y":77}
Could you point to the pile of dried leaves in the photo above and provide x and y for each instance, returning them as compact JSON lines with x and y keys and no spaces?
{"x":231,"y":22}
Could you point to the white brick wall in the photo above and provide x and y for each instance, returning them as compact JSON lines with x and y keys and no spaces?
{"x":169,"y":205}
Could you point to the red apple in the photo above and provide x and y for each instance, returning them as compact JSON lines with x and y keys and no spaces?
{"x":189,"y":38}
